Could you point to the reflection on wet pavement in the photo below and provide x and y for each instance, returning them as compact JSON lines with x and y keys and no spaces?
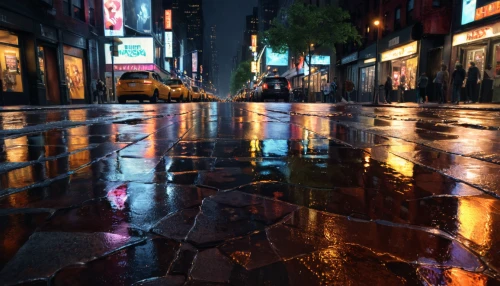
{"x":249,"y":194}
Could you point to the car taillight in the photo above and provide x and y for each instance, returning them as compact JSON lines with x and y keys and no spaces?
{"x":148,"y":82}
{"x":264,"y":86}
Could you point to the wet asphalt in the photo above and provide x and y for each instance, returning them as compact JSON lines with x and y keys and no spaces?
{"x":250,"y":194}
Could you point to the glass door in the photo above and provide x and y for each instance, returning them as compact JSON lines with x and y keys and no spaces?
{"x":476,"y":55}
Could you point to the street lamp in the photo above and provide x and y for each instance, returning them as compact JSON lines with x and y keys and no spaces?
{"x":375,"y":85}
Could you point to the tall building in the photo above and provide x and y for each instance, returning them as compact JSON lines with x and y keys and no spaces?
{"x":251,"y":28}
{"x":194,"y":19}
{"x":267,"y":12}
{"x":214,"y":61}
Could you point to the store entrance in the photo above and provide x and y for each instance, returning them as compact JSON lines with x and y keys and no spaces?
{"x":475,"y":54}
{"x":47,"y":58}
{"x":434,"y":61}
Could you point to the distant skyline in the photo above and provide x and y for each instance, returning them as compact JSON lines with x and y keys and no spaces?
{"x":229,"y":16}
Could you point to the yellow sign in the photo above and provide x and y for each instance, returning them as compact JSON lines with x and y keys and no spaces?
{"x":254,"y":67}
{"x":254,"y":43}
{"x":400,"y":52}
{"x":476,"y":34}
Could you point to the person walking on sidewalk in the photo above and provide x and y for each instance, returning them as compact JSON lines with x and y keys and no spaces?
{"x":457,"y":80}
{"x":326,"y":92}
{"x":333,"y":90}
{"x":422,"y":83}
{"x":101,"y":91}
{"x":440,"y":82}
{"x":473,"y":78}
{"x":388,"y":89}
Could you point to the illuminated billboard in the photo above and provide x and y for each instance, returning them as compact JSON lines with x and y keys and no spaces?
{"x":194,"y":62}
{"x":276,"y":59}
{"x":138,"y":15}
{"x":168,"y":19}
{"x":320,"y":60}
{"x":113,"y":18}
{"x":474,"y":10}
{"x":133,"y":51}
{"x":168,"y":45}
{"x":253,"y":67}
{"x":254,"y":43}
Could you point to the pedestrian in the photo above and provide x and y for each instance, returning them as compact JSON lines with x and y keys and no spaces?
{"x":473,"y":78}
{"x":388,"y":89}
{"x":333,"y":90}
{"x":101,"y":90}
{"x":326,"y":91}
{"x":439,"y":82}
{"x":446,"y":82}
{"x":402,"y":86}
{"x":457,"y":80}
{"x":422,"y":83}
{"x":487,"y":85}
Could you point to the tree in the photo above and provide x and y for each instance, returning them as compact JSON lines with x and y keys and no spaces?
{"x":308,"y":26}
{"x":240,"y":77}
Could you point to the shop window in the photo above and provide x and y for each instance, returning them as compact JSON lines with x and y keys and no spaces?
{"x":41,"y":64}
{"x":367,"y":77}
{"x":404,"y":73}
{"x":10,"y":67}
{"x":73,"y":67}
{"x":397,"y":19}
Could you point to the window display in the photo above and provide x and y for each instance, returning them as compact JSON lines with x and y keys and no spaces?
{"x":367,"y":77}
{"x":404,"y":73}
{"x":477,"y":56}
{"x":10,"y":69}
{"x":73,"y":67}
{"x":41,"y":64}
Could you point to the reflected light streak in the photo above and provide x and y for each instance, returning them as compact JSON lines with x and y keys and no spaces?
{"x":476,"y":222}
{"x":399,"y":164}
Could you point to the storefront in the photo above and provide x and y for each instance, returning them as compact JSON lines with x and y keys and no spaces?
{"x":366,"y":73}
{"x":482,"y":46}
{"x":349,"y":72}
{"x":401,"y":64}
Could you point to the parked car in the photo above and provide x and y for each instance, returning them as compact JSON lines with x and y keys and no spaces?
{"x":141,"y":85}
{"x":179,"y":90}
{"x":273,"y":88}
{"x":195,"y":93}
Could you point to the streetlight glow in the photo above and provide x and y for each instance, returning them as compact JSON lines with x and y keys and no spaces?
{"x":376,"y":22}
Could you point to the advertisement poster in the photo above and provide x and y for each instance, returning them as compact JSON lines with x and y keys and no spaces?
{"x":276,"y":59}
{"x":138,"y":15}
{"x":194,"y":66}
{"x":168,"y":45}
{"x":73,"y":67}
{"x":113,"y":18}
{"x":11,"y":62}
{"x":320,"y":60}
{"x":133,"y":51}
{"x":254,"y":43}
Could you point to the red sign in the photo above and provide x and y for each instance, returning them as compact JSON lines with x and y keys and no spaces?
{"x":478,"y":34}
{"x":168,"y":19}
{"x":488,"y":10}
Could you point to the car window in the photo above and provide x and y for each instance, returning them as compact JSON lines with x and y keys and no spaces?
{"x":135,"y":75}
{"x":277,"y":80}
{"x":173,"y":82}
{"x":196,"y":89}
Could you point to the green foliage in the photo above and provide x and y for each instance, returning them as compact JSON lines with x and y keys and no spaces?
{"x":242,"y":74}
{"x":308,"y":24}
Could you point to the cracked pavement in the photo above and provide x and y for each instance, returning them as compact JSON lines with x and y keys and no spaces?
{"x":249,"y":194}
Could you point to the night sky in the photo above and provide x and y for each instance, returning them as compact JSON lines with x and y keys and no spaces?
{"x":229,"y":16}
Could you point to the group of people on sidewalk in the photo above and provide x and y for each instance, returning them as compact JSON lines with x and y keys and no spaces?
{"x":458,"y":78}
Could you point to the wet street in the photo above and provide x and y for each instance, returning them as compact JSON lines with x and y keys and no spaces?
{"x":250,"y":194}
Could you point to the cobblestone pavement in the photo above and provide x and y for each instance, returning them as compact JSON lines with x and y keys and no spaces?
{"x":249,"y":194}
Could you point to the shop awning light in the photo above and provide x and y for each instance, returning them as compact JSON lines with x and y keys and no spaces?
{"x":372,"y":60}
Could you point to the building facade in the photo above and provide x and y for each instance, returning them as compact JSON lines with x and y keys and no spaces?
{"x":412,"y":37}
{"x":49,"y":51}
{"x":476,"y":38}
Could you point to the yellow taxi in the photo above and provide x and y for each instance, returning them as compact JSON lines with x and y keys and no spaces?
{"x":141,"y":85}
{"x":196,"y":93}
{"x":179,"y":91}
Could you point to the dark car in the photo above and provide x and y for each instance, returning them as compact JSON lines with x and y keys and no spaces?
{"x":274,"y":88}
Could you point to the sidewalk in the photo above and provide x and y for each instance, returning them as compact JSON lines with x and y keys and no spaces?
{"x":434,"y":105}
